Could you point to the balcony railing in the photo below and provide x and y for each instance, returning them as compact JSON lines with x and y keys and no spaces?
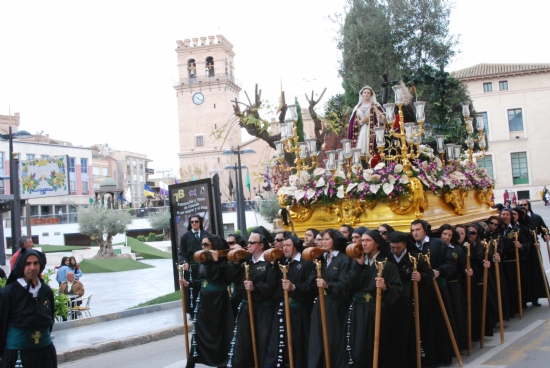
{"x":149,"y":171}
{"x":203,"y":79}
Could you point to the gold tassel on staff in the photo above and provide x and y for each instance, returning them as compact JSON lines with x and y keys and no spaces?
{"x":518,"y":271}
{"x":284,"y":270}
{"x":544,"y":280}
{"x":184,"y":308}
{"x":251,"y":315}
{"x":499,"y":294}
{"x":322,"y":307}
{"x":484,"y":300}
{"x":444,"y":312}
{"x":377,"y":316}
{"x":469,"y":298}
{"x":416,"y":314}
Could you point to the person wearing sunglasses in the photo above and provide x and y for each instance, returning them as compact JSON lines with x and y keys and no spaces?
{"x":335,"y":266}
{"x":537,"y":286}
{"x":299,"y":283}
{"x":280,"y":238}
{"x":190,"y":242}
{"x":262,"y":285}
{"x":235,"y":241}
{"x":211,"y":337}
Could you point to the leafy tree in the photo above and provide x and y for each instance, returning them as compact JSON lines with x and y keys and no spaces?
{"x":101,"y":224}
{"x":269,"y":208}
{"x":161,"y":221}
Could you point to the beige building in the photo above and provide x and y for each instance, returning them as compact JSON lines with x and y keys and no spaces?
{"x":513,"y":99}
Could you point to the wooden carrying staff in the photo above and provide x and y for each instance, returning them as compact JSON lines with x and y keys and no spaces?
{"x":544,"y":280}
{"x":311,"y":254}
{"x":545,"y":230}
{"x":284,"y":270}
{"x":469,"y":298}
{"x":251,"y":315}
{"x":484,"y":299}
{"x":184,"y":307}
{"x":377,"y":316}
{"x":499,"y":294}
{"x":518,"y":271}
{"x":416,"y":314}
{"x":444,"y":312}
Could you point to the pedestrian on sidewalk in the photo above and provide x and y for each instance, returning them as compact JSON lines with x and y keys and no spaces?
{"x":27,"y":316}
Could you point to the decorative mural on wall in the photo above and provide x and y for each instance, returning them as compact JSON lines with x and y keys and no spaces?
{"x":44,"y":177}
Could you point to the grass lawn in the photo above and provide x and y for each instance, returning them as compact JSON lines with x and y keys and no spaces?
{"x":146,"y":251}
{"x":59,"y":248}
{"x":176,"y":295}
{"x":111,"y":265}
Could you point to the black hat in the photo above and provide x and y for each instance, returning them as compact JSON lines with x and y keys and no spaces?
{"x":298,"y":245}
{"x":398,"y":237}
{"x":263,"y":231}
{"x":383,"y":246}
{"x":360,"y":230}
{"x":239,"y":239}
{"x":340,"y":242}
{"x":315,"y":232}
{"x":19,"y":268}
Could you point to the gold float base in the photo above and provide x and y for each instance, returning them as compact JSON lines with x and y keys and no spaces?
{"x":472,"y":206}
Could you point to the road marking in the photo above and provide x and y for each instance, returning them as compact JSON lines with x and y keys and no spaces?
{"x":511,"y":338}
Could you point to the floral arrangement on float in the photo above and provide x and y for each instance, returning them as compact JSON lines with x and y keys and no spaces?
{"x":382,"y":161}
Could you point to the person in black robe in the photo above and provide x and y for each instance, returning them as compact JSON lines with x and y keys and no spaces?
{"x":509,"y":244}
{"x":335,"y":266}
{"x":27,"y":314}
{"x":2,"y":274}
{"x":520,"y":220}
{"x":235,"y":241}
{"x":262,"y":285}
{"x":362,"y":283}
{"x":456,"y":311}
{"x":537,"y":284}
{"x":300,"y":284}
{"x":211,"y":337}
{"x":436,"y":342}
{"x":190,"y":242}
{"x":495,"y":235}
{"x":401,"y":352}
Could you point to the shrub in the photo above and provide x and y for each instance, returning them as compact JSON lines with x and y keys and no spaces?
{"x":141,"y":238}
{"x":152,"y":237}
{"x":159,"y":237}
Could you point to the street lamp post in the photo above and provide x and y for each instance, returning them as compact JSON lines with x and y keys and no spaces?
{"x":14,"y":185}
{"x":241,"y":214}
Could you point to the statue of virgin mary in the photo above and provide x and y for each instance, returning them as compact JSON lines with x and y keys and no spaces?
{"x":366,"y":115}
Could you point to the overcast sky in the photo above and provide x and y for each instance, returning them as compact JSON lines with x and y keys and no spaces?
{"x":102,"y":71}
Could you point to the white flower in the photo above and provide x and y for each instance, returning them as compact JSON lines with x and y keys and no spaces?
{"x":381,"y":165}
{"x":361,"y":186}
{"x":391,"y":180}
{"x":398,"y":168}
{"x":340,"y":193}
{"x":350,"y":187}
{"x":367,"y":174}
{"x":310,"y":193}
{"x":319,"y":171}
{"x":457,"y":176}
{"x":427,"y":151}
{"x":299,"y":194}
{"x":439,"y":183}
{"x":404,"y":179}
{"x":387,"y":187}
{"x":439,"y":163}
{"x":320,"y":183}
{"x":304,"y":177}
{"x":374,"y":188}
{"x":341,"y":174}
{"x":286,"y":190}
{"x":375,"y":177}
{"x":293,"y":180}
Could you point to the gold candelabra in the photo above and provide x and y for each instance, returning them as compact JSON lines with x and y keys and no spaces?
{"x":289,"y":143}
{"x":409,"y":135}
{"x":470,"y":141}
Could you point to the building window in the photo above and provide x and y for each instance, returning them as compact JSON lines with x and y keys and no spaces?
{"x":503,"y":85}
{"x":84,"y":187}
{"x":200,"y":140}
{"x":485,"y":117}
{"x":84,"y":165}
{"x":487,"y":87}
{"x":96,"y":170}
{"x":141,"y":178}
{"x":96,"y":186}
{"x":30,"y":156}
{"x":72,"y":186}
{"x":71,"y":165}
{"x":45,"y":156}
{"x":487,"y":163}
{"x":141,"y":165}
{"x":2,"y":162}
{"x":515,"y":120}
{"x":519,"y":168}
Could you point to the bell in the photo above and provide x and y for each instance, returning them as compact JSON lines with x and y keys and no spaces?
{"x":278,"y":226}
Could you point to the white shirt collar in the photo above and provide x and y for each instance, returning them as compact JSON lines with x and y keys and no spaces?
{"x":297,"y":257}
{"x":333,"y":254}
{"x":32,"y":289}
{"x":370,"y":260}
{"x":399,"y":258}
{"x":259,"y":259}
{"x":426,"y":240}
